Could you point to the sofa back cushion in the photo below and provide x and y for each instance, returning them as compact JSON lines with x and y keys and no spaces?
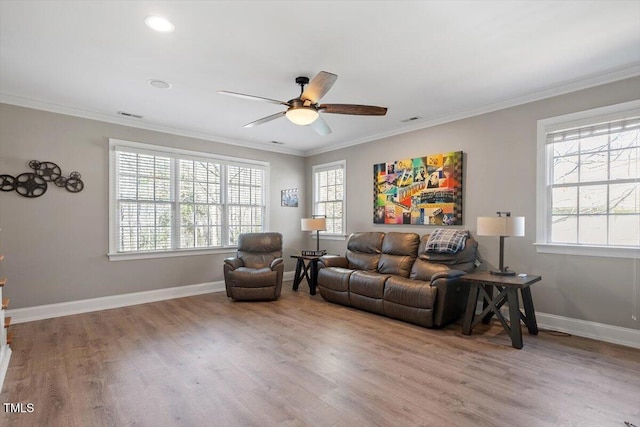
{"x":399,"y":251}
{"x":257,"y":250}
{"x":363,"y":250}
{"x":462,"y":260}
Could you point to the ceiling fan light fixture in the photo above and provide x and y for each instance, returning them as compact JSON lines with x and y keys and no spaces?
{"x":302,"y":115}
{"x":160,"y":24}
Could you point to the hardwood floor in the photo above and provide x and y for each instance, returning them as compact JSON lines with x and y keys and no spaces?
{"x":300,"y":361}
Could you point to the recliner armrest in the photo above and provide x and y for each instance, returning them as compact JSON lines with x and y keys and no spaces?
{"x":333,"y":261}
{"x":451,"y":297}
{"x":276,"y":262}
{"x":233,"y":262}
{"x":449,"y":274}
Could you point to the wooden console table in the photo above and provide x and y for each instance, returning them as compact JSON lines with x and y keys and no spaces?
{"x":482,"y":284}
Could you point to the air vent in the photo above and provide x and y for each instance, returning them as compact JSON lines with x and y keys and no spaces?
{"x":133,"y":116}
{"x":410,"y":119}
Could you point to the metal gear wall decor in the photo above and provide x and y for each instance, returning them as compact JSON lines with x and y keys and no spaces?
{"x":34,"y":184}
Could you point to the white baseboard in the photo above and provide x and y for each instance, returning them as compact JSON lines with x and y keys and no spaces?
{"x":30,"y":314}
{"x":587,"y":329}
{"x":5,"y":355}
{"x":582,"y":328}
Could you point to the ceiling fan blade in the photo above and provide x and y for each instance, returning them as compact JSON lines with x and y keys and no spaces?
{"x":265,"y":119}
{"x":354,"y":109}
{"x":319,"y":86}
{"x":251,"y":97}
{"x":320,"y":126}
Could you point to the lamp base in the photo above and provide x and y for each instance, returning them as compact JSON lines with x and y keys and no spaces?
{"x":503,"y":272}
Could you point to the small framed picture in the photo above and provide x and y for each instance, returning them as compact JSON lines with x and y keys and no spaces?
{"x":289,"y":198}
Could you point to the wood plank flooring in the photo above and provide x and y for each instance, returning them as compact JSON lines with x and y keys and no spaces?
{"x":300,"y":361}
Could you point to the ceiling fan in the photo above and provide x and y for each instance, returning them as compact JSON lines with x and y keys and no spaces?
{"x":304,"y":110}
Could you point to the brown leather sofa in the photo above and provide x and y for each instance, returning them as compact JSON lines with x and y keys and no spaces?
{"x":394,"y":275}
{"x":255,"y":273}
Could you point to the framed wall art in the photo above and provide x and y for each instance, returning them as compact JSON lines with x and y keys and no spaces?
{"x":420,"y":191}
{"x":289,"y":198}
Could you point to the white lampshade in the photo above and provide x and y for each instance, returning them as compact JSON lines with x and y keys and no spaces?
{"x":313,"y":224}
{"x":500,"y":226}
{"x":302,"y":115}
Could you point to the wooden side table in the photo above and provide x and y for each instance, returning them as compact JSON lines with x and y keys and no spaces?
{"x":306,"y":267}
{"x":482,"y":284}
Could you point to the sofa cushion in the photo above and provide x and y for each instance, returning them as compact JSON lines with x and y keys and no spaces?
{"x":366,"y":290}
{"x":258,"y":250}
{"x":363,"y":250}
{"x":335,"y":278}
{"x":399,"y":251}
{"x":333,"y":284}
{"x":367,"y":284}
{"x":252,"y":278}
{"x":408,"y":292}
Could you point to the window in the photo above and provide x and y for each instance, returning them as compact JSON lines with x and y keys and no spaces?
{"x":589,"y":182}
{"x":329,"y":195}
{"x":164,"y":201}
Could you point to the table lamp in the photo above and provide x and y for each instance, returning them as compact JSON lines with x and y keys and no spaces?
{"x":503,"y":225}
{"x":315,"y":223}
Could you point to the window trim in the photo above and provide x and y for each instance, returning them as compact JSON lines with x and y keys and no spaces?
{"x":329,"y":166}
{"x":140,"y":147}
{"x":543,"y":190}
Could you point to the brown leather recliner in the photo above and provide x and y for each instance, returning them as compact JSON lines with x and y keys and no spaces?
{"x":255,"y":273}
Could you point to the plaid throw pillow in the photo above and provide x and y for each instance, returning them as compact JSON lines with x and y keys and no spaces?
{"x":448,"y":241}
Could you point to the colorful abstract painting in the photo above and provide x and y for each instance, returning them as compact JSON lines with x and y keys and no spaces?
{"x":420,"y":191}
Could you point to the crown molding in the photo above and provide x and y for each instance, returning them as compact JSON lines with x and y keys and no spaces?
{"x":565,"y":88}
{"x":550,"y":92}
{"x":136,"y":123}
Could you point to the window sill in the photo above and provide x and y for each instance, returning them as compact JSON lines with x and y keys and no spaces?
{"x":588,"y":250}
{"x":128,"y":256}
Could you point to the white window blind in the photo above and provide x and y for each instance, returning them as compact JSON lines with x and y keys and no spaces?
{"x":592,"y":183}
{"x":329,"y":181}
{"x":165,"y":200}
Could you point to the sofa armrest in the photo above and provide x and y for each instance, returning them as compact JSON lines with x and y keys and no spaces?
{"x":233,"y":263}
{"x":449,"y":274}
{"x":275,"y":263}
{"x":451,"y":298}
{"x":333,"y":261}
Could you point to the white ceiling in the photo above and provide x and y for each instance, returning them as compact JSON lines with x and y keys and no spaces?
{"x":438,"y":60}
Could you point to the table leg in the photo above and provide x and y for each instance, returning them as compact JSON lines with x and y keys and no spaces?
{"x":470,"y":314}
{"x":487,"y":318}
{"x":297,"y":278}
{"x":314,"y":277}
{"x":514,"y":318}
{"x":527,"y":301}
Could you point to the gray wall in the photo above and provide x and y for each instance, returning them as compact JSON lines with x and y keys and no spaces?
{"x":500,"y":174}
{"x":55,"y":245}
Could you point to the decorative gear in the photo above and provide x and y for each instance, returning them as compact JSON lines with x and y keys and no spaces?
{"x":30,"y":185}
{"x":34,"y":164}
{"x":74,"y":185}
{"x":7,"y":183}
{"x":49,"y":171}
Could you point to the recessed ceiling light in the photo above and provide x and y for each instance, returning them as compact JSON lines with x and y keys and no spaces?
{"x":159,"y":84}
{"x":160,"y":24}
